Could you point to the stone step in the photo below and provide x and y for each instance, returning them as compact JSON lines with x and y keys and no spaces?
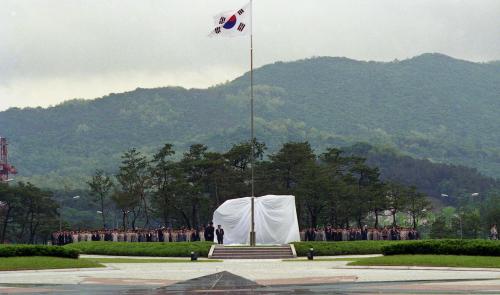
{"x":251,"y":250}
{"x":251,"y":253}
{"x":253,"y":257}
{"x":267,"y":252}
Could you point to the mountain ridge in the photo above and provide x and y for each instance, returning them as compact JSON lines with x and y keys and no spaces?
{"x":423,"y":56}
{"x":431,"y":106}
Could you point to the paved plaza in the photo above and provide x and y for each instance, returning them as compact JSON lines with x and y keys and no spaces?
{"x":251,"y":276}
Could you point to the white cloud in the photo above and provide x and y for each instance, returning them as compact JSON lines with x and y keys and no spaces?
{"x":56,"y":50}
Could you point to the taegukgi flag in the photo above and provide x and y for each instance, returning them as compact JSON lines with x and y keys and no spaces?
{"x":233,"y":24}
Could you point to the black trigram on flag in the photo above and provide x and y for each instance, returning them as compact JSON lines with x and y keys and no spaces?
{"x":217,"y":30}
{"x":241,"y":27}
{"x":222,"y":20}
{"x":240,"y":12}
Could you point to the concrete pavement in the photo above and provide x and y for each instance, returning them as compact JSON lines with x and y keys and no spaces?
{"x":263,"y":272}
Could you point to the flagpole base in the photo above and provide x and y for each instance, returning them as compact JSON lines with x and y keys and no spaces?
{"x":252,"y":239}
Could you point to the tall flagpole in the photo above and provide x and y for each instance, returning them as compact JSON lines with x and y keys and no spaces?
{"x":252,"y":160}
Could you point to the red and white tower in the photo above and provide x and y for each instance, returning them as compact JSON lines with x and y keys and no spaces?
{"x":5,"y":167}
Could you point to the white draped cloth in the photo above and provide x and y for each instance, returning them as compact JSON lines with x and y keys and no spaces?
{"x":275,"y":220}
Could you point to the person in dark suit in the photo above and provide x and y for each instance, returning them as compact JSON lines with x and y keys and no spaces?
{"x":107,"y":236}
{"x":95,"y":237}
{"x":209,"y":232}
{"x":364,"y":233}
{"x":195,"y":235}
{"x":328,"y":233}
{"x":60,"y":239}
{"x":161,"y":237}
{"x":310,"y":234}
{"x":219,"y":232}
{"x":352,"y":235}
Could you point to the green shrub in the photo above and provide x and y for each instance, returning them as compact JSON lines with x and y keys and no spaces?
{"x":180,"y":249}
{"x":445,"y":247}
{"x":37,"y":250}
{"x":342,"y":248}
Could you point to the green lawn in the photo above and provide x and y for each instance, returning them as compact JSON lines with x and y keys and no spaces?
{"x":430,"y":260}
{"x":343,"y":248}
{"x":146,"y":260}
{"x":319,"y":259}
{"x":181,"y":249}
{"x":44,"y":262}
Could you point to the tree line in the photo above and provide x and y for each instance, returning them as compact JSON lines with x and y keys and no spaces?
{"x":28,"y":214}
{"x":330,"y":188}
{"x":334,"y":187}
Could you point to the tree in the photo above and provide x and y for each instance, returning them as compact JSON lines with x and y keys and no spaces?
{"x":490,"y":211}
{"x":377,"y":200}
{"x":127,"y":203}
{"x":100,"y":186}
{"x":162,"y":179}
{"x":339,"y":206}
{"x":440,"y":229}
{"x":367,"y":194}
{"x":28,"y":213}
{"x":397,"y":199}
{"x":471,"y":223}
{"x":218,"y":182}
{"x":134,"y":178}
{"x":315,"y":189}
{"x":193,"y":165}
{"x":290,"y":163}
{"x":10,"y":203}
{"x":38,"y":211}
{"x":417,"y":205}
{"x":288,"y":167}
{"x":237,"y":165}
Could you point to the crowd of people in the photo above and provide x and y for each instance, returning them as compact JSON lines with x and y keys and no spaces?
{"x":329,"y":233}
{"x":208,"y":233}
{"x":138,"y":235}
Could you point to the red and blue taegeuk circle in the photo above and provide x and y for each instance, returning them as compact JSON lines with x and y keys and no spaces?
{"x":230,"y":23}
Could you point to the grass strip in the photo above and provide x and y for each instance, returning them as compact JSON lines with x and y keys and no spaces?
{"x":430,"y":260}
{"x":319,"y":259}
{"x":44,"y":262}
{"x":343,"y":248}
{"x":145,"y":260}
{"x":157,"y":249}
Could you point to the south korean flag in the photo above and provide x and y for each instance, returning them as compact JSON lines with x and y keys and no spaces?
{"x":233,"y":24}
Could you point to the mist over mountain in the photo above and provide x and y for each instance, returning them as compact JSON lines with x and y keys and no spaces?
{"x":430,"y":107}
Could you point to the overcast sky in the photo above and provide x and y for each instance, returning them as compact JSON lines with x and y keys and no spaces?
{"x":51,"y":51}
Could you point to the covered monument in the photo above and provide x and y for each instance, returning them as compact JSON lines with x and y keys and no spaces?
{"x":275,"y":220}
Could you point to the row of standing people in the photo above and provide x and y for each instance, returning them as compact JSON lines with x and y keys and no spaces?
{"x":357,"y":234}
{"x":208,"y":233}
{"x":139,"y":235}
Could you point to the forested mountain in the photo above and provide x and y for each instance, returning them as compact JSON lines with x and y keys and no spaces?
{"x":431,"y":106}
{"x":444,"y":182}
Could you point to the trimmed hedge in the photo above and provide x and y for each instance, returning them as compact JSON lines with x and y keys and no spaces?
{"x":178,"y":249}
{"x":445,"y":247}
{"x":37,"y":250}
{"x":342,"y":248}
